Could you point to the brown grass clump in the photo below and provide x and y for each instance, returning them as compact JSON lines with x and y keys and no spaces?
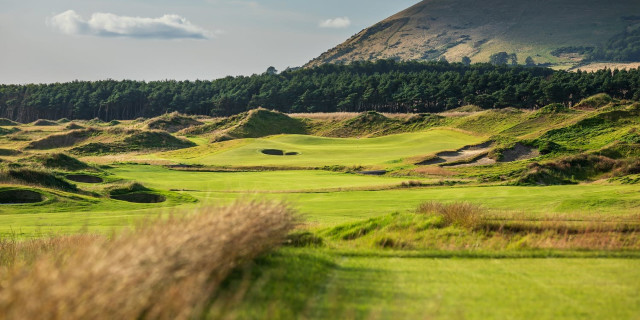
{"x":460,"y":214}
{"x":165,"y":270}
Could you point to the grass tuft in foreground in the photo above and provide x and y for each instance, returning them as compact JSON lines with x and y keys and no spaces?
{"x":166,"y":269}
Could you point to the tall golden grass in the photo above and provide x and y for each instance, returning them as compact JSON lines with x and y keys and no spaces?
{"x":504,"y":231}
{"x":166,"y":269}
{"x":462,"y":214}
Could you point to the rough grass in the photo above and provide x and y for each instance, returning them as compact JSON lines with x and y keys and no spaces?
{"x":172,"y":122}
{"x":577,"y":168}
{"x":373,"y":124}
{"x":125,"y":141}
{"x":594,"y":102}
{"x":60,"y":161}
{"x":464,"y":226}
{"x":460,"y":214}
{"x":4,"y":122}
{"x":35,"y":177}
{"x":164,"y":270}
{"x":63,"y":140}
{"x":44,"y":123}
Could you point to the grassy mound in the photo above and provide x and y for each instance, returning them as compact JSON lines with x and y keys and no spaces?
{"x":63,"y":140}
{"x":594,"y":102}
{"x":36,"y":177}
{"x":44,"y":123}
{"x":20,"y":196}
{"x":371,"y":124}
{"x":132,"y":141}
{"x":4,"y":132}
{"x":4,"y":122}
{"x":172,"y":122}
{"x":596,"y":131}
{"x":554,"y":108}
{"x":95,"y":122}
{"x":127,"y":188}
{"x":9,"y":152}
{"x":491,"y":121}
{"x":467,"y":109}
{"x":256,"y":123}
{"x":61,"y":161}
{"x":63,"y":121}
{"x":261,"y":123}
{"x":73,"y":126}
{"x":577,"y":168}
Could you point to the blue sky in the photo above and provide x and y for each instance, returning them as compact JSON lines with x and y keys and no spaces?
{"x":63,"y":40}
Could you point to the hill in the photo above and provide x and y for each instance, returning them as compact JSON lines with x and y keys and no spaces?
{"x":559,"y":32}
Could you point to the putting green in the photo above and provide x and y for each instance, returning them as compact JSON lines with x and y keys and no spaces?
{"x":318,"y":151}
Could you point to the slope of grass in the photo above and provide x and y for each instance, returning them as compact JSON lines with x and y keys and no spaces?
{"x":491,"y":122}
{"x":172,"y":122}
{"x":319,"y":152}
{"x":373,"y":124}
{"x":256,"y":123}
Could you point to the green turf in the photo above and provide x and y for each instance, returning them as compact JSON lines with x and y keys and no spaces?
{"x":317,"y":151}
{"x":269,"y":181}
{"x":70,"y":213}
{"x":301,"y":283}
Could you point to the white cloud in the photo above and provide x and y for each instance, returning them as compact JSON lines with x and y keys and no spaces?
{"x":169,"y":26}
{"x":336,"y":23}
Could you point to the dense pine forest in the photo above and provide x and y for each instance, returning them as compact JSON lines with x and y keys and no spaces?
{"x":386,"y":86}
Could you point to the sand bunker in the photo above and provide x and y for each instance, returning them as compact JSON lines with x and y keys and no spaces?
{"x":484,"y":161}
{"x":276,"y":152}
{"x":140,"y":197}
{"x":519,"y":152}
{"x":84,"y":178}
{"x":458,"y":155}
{"x":20,"y":196}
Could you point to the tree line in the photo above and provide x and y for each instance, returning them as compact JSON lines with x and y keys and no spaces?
{"x":385,"y":86}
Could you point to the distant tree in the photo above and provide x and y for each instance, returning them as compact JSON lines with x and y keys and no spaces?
{"x":443,"y":59}
{"x":271,"y":71}
{"x":499,"y":59}
{"x":514,"y":59}
{"x":466,"y":61}
{"x":529,"y":62}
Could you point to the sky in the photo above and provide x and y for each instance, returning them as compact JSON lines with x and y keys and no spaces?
{"x":45,"y":41}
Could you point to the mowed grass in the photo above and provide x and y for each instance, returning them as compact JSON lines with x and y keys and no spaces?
{"x":318,"y":151}
{"x":388,"y":287}
{"x":328,"y":208}
{"x":248,"y":182}
{"x":318,"y":208}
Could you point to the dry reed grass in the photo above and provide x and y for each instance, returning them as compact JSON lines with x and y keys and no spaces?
{"x":460,"y":214}
{"x":517,"y":231}
{"x":167,"y":269}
